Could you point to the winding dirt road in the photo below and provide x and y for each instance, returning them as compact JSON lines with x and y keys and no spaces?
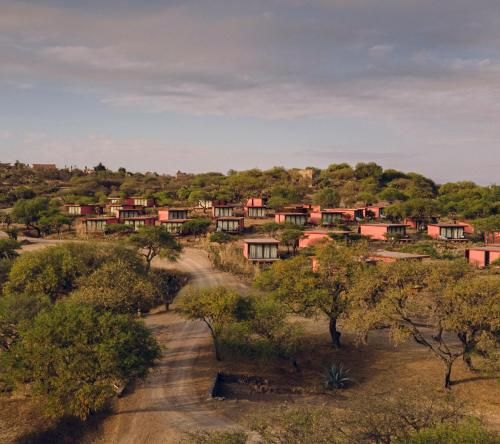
{"x":173,"y":398}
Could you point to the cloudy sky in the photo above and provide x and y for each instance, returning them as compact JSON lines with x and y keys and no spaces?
{"x":198,"y":85}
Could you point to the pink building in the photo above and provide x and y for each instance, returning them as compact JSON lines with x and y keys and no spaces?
{"x":420,"y":223}
{"x":483,"y":256}
{"x":174,"y":226}
{"x":492,"y":238}
{"x":468,"y":228}
{"x":296,"y":218}
{"x":261,"y":250}
{"x":230,"y":224}
{"x":97,"y":224}
{"x":446,"y":231}
{"x":382,"y":231}
{"x":82,"y":210}
{"x":166,"y":214}
{"x":142,"y":201}
{"x":255,"y":208}
{"x":139,"y":221}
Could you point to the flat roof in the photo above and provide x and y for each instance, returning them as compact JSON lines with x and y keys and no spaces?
{"x":138,"y":218}
{"x":261,"y":240}
{"x":327,"y":232}
{"x":495,"y":248}
{"x":174,"y":220}
{"x":446,"y":225}
{"x":290,"y":213}
{"x":229,"y":218}
{"x":398,"y":254}
{"x":383,"y":225}
{"x":174,"y":209}
{"x":85,"y":219}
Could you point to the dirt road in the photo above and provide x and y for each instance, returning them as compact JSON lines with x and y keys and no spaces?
{"x":173,"y":399}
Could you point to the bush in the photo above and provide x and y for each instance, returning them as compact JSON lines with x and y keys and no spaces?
{"x":229,"y":257}
{"x":336,"y":377}
{"x":220,"y":237}
{"x":118,"y":229}
{"x":76,"y":358}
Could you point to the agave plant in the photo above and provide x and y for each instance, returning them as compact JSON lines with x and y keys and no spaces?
{"x":336,"y":377}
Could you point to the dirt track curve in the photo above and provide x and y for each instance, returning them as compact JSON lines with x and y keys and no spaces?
{"x":172,"y":399}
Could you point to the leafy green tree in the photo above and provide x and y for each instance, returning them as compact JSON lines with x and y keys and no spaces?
{"x":290,"y":238}
{"x":8,"y":248}
{"x":75,"y":358}
{"x":327,"y":198}
{"x":30,"y":211}
{"x":217,"y":307}
{"x":196,"y":227}
{"x":118,"y":287}
{"x":487,"y":226}
{"x":155,"y":241}
{"x":365,"y":170}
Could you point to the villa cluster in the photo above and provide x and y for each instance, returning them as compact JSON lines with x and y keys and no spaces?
{"x":319,"y":224}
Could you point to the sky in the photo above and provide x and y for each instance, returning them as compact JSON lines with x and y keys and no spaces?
{"x":213,"y":85}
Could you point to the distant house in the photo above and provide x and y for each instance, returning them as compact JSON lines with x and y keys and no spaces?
{"x":353,"y":214}
{"x":167,"y":214}
{"x":139,"y":221}
{"x":173,"y":219}
{"x":446,"y":231}
{"x":147,"y":202}
{"x":97,"y":224}
{"x":82,"y":210}
{"x":44,"y":166}
{"x":327,"y":217}
{"x":393,"y":256}
{"x":482,"y":256}
{"x":291,"y":218}
{"x":230,"y":224}
{"x":382,"y":231}
{"x":261,"y":250}
{"x":222,"y":210}
{"x":255,"y":208}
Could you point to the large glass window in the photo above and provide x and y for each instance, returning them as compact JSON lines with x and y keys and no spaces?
{"x":451,"y":232}
{"x":228,"y":225}
{"x":396,"y":230}
{"x":263,"y":251}
{"x":177,"y":214}
{"x":174,"y":227}
{"x":256,"y":212}
{"x":140,"y":201}
{"x":95,"y":225}
{"x":75,"y":210}
{"x":223,"y":211}
{"x":297,"y":219}
{"x":330,"y":218}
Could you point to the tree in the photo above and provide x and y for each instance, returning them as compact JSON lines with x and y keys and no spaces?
{"x":322,"y":290}
{"x":155,"y":241}
{"x":488,"y":226}
{"x":8,"y":248}
{"x":29,"y":212}
{"x":99,"y":168}
{"x":290,"y":237}
{"x":75,"y":358}
{"x":421,"y":301}
{"x":118,"y":287}
{"x":216,"y":306}
{"x":196,"y":227}
{"x":327,"y":198}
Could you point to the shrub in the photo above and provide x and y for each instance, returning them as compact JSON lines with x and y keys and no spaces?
{"x":118,"y":229}
{"x":336,"y":377}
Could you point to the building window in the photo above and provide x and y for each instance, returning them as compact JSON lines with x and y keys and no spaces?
{"x":228,"y":225}
{"x":74,"y":210}
{"x":330,"y":218}
{"x":451,"y":232}
{"x":223,"y":211}
{"x":95,"y":225}
{"x":396,"y":231}
{"x":256,"y":212}
{"x":295,"y":219}
{"x":263,"y":251}
{"x":174,"y":228}
{"x":177,"y":214}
